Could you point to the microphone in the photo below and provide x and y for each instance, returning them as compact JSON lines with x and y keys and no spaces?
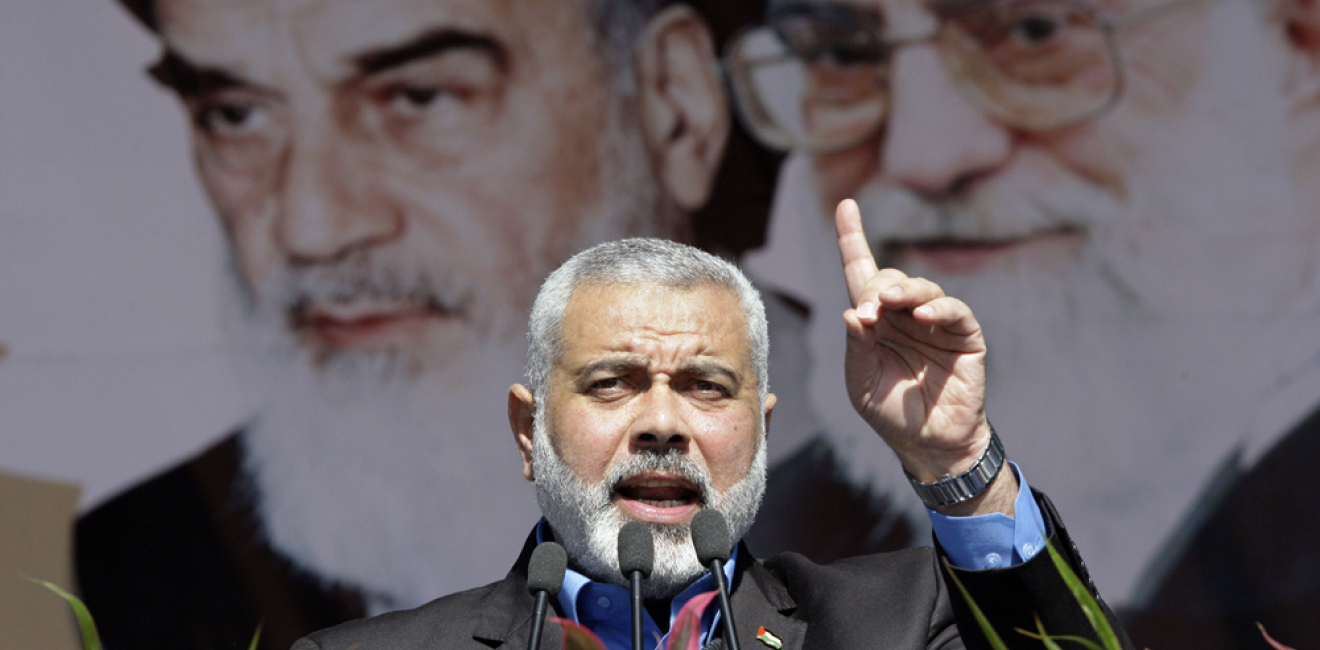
{"x":710,"y":539}
{"x":545,"y":574}
{"x":636,"y":560}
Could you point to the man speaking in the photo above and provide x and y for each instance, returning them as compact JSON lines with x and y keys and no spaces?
{"x":648,"y":402}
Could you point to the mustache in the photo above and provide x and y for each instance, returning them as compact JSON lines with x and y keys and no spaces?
{"x":987,"y":212}
{"x":361,"y":277}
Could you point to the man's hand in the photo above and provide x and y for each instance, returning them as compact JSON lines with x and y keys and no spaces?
{"x":915,"y":369}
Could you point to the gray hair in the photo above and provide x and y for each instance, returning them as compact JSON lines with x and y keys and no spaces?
{"x":639,"y":260}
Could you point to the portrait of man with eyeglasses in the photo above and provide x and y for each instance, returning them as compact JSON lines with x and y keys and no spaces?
{"x":1123,"y":191}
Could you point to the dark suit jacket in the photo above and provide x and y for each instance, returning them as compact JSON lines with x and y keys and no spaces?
{"x":1252,"y":555}
{"x":179,"y":563}
{"x":891,"y":600}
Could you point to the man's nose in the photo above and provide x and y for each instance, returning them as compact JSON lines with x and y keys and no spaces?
{"x":935,"y":142}
{"x":330,"y":203}
{"x":660,"y":425}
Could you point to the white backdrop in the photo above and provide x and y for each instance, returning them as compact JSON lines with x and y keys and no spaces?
{"x":114,"y":366}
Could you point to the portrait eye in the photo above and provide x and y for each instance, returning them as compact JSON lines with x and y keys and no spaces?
{"x":413,"y":101}
{"x":231,"y":118}
{"x":1037,"y":44}
{"x":1034,"y":29}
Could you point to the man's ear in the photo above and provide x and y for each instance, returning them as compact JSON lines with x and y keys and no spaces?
{"x":769,"y":405}
{"x":683,"y":107}
{"x":522,"y":414}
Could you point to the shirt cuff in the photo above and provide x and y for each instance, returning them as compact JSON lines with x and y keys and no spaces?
{"x":995,"y":540}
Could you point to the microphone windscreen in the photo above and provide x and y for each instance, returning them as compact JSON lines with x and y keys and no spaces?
{"x":636,"y":549}
{"x":545,"y":571}
{"x":710,"y":536}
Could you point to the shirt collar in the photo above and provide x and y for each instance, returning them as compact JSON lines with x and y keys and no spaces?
{"x":615,"y":604}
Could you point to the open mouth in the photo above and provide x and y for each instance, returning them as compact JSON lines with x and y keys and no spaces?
{"x":658,"y":498}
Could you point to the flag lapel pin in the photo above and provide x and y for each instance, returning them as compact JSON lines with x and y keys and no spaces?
{"x":769,"y":639}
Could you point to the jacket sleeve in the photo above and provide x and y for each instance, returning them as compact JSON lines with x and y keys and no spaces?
{"x":1012,"y":597}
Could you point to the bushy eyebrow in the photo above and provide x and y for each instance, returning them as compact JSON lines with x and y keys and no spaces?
{"x":428,"y":44}
{"x":611,"y":366}
{"x":698,"y":369}
{"x":189,"y":79}
{"x":709,"y":369}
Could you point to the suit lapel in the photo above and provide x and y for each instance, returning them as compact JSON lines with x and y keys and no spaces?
{"x":759,"y":602}
{"x":504,"y":617}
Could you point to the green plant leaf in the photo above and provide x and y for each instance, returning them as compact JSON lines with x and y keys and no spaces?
{"x":1094,"y":614}
{"x":1044,"y":637}
{"x":577,"y":637}
{"x":1050,"y":641}
{"x":1084,"y":642}
{"x":990,"y":634}
{"x":90,"y":639}
{"x":1092,"y":645}
{"x":686,"y":632}
{"x":256,"y":636}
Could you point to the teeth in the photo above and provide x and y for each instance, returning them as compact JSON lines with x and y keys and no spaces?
{"x":672,"y":503}
{"x":654,"y":483}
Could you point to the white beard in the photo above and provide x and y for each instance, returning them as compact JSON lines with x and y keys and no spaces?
{"x":588,"y":522}
{"x":404,"y":489}
{"x":1124,"y":382}
{"x":375,"y":472}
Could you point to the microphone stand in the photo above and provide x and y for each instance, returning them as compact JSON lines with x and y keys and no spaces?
{"x":710,"y":539}
{"x":636,"y":561}
{"x":635,"y":595}
{"x":538,"y":619}
{"x":722,"y":587}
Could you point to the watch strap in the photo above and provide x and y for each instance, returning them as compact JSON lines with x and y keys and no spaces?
{"x":967,"y":485}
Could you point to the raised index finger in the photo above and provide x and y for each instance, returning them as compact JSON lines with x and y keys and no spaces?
{"x":858,"y":263}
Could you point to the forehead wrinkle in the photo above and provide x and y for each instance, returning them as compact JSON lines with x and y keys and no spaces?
{"x":326,"y":46}
{"x":600,"y":323}
{"x":658,"y":355}
{"x":669,"y":347}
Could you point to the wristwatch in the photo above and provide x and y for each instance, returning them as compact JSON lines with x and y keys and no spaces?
{"x":956,"y":489}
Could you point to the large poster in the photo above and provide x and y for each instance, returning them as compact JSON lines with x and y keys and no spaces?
{"x":267,"y":266}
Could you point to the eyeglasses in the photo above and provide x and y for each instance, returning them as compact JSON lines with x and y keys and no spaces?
{"x":816,"y":76}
